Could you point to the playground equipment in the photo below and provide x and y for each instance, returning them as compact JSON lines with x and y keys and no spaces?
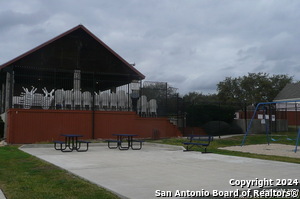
{"x":297,"y":140}
{"x":263,"y":104}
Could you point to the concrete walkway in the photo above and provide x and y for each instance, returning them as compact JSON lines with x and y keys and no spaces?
{"x":2,"y":196}
{"x":162,"y":169}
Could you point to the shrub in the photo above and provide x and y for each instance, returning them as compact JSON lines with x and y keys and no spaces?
{"x":198,"y":115}
{"x":218,"y":128}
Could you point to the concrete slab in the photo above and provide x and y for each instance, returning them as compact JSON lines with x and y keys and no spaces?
{"x":2,"y":196}
{"x":163,"y":169}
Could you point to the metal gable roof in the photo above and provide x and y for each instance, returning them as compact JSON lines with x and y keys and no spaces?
{"x":94,"y":54}
{"x":289,"y":92}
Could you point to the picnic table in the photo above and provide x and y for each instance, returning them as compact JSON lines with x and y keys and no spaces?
{"x":127,"y":139}
{"x":71,"y":143}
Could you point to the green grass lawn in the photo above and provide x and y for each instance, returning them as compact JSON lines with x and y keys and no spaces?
{"x":237,"y":140}
{"x":25,"y":176}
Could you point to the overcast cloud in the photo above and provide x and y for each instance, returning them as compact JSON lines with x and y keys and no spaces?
{"x":191,"y":44}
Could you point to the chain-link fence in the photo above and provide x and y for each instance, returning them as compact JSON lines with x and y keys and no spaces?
{"x":223,"y":119}
{"x":66,"y":90}
{"x":77,"y":90}
{"x":31,"y":88}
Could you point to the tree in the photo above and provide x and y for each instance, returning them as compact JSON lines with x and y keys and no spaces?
{"x":193,"y":98}
{"x":253,"y":88}
{"x":165,"y":95}
{"x":229,"y":90}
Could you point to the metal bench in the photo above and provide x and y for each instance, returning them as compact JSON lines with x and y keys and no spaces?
{"x":202,"y":141}
{"x":79,"y":145}
{"x":140,"y":146}
{"x":60,"y":143}
{"x":118,"y":142}
{"x":63,"y":146}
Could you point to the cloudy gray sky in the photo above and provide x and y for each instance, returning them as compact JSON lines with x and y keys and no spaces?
{"x":191,"y":44}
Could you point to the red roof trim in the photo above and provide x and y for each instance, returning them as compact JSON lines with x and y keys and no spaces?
{"x":64,"y":34}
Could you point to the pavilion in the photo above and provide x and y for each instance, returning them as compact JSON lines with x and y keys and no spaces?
{"x":73,"y":83}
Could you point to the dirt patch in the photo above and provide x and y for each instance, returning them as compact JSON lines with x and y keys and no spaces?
{"x":264,"y":149}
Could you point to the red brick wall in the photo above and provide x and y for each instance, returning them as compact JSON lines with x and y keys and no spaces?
{"x":32,"y":126}
{"x":293,"y":117}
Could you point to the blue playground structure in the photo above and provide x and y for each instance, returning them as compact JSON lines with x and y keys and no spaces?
{"x":297,"y":140}
{"x":263,"y":104}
